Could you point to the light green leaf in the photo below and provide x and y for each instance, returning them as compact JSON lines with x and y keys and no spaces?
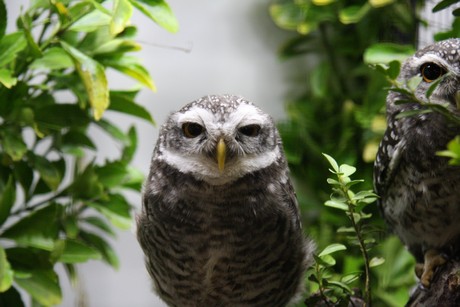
{"x":122,"y":12}
{"x":387,"y":52}
{"x":376,"y":261}
{"x":76,"y":252}
{"x":7,"y":199}
{"x":116,"y":210}
{"x":131,"y":66}
{"x":353,"y":14}
{"x":91,"y":21}
{"x":112,"y":174}
{"x":332,"y":162}
{"x":36,"y":229}
{"x":10,"y":46}
{"x":94,"y":79}
{"x":332,"y":249}
{"x":347,"y":170}
{"x":117,"y":45}
{"x":380,"y":3}
{"x":43,"y":286}
{"x":53,"y":58}
{"x":159,"y":11}
{"x":336,"y":204}
{"x":7,"y":78}
{"x":6,"y":273}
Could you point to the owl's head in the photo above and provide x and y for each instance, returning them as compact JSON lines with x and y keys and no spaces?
{"x":219,"y":139}
{"x":436,"y":61}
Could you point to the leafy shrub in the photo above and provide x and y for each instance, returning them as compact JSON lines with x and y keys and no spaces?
{"x":57,"y":205}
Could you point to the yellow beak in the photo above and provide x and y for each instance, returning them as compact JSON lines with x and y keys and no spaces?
{"x":221,"y":154}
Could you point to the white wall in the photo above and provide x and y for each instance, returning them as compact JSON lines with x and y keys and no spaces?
{"x":232,"y":49}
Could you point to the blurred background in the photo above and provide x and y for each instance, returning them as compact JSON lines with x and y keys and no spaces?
{"x":305,"y":67}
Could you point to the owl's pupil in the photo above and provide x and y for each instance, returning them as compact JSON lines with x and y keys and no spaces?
{"x":431,"y":71}
{"x":250,"y":130}
{"x":192,"y":130}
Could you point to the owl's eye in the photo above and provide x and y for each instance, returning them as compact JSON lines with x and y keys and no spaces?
{"x":250,"y":130}
{"x":431,"y":72}
{"x":192,"y":130}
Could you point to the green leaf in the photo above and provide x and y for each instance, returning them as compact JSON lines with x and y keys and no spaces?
{"x":387,"y":53}
{"x":47,"y":170}
{"x":129,"y":150}
{"x":117,"y":45}
{"x":74,"y":141}
{"x":91,"y":22}
{"x":10,"y":46}
{"x":376,"y":261}
{"x":100,"y":224}
{"x":60,"y":115}
{"x":443,"y":4}
{"x":87,"y":185}
{"x":11,"y":298}
{"x":159,"y":11}
{"x":43,"y":286}
{"x":347,"y":170}
{"x":114,"y":131}
{"x":94,"y":79}
{"x":332,"y":248}
{"x":112,"y":174}
{"x":3,"y":18}
{"x":53,"y":58}
{"x":7,"y":78}
{"x":116,"y":210}
{"x":354,"y":13}
{"x":131,"y":66}
{"x":107,"y":252}
{"x":14,"y":145}
{"x":38,"y":229}
{"x":380,"y":3}
{"x":336,"y":204}
{"x":332,"y":162}
{"x":7,"y":199}
{"x":122,"y":12}
{"x":124,"y":104}
{"x":6,"y":273}
{"x":76,"y":252}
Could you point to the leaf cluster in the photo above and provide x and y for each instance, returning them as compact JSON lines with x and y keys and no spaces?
{"x":57,"y":205}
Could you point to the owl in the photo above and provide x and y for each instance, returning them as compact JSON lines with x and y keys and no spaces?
{"x":419,"y":191}
{"x":220,"y":223}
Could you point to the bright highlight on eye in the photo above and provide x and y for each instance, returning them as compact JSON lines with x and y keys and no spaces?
{"x":250,"y":130}
{"x":431,"y":71}
{"x":192,"y":130}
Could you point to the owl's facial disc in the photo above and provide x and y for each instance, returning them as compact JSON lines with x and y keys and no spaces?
{"x":221,"y":147}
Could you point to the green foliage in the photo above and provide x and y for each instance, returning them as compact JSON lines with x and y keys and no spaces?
{"x":341,"y":111}
{"x":57,"y":205}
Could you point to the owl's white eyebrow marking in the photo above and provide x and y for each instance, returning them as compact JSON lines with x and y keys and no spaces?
{"x":245,"y":114}
{"x":196,"y":115}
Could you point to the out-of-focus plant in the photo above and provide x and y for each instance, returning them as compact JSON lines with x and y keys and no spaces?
{"x":57,"y":205}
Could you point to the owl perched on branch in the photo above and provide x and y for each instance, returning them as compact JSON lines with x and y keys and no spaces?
{"x":419,"y":190}
{"x":220,"y":224}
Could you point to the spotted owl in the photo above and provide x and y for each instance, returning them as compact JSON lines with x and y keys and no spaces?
{"x":419,"y":190}
{"x":220,"y":223}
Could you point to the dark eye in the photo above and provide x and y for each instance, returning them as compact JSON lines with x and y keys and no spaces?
{"x":431,"y":72}
{"x":192,"y":130}
{"x":250,"y":130}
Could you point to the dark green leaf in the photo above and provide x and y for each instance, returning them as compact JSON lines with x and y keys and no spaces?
{"x":43,"y":286}
{"x":7,"y":199}
{"x":125,"y":105}
{"x":87,"y":185}
{"x":443,"y":4}
{"x":103,"y":247}
{"x":100,"y":224}
{"x":24,"y":174}
{"x":114,"y":131}
{"x":47,"y":170}
{"x":76,"y":252}
{"x":37,"y":229}
{"x":3,"y":20}
{"x":6,"y":273}
{"x":159,"y":11}
{"x":116,"y":210}
{"x":14,"y":145}
{"x":112,"y":174}
{"x":10,"y":46}
{"x":58,"y":116}
{"x":129,"y":150}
